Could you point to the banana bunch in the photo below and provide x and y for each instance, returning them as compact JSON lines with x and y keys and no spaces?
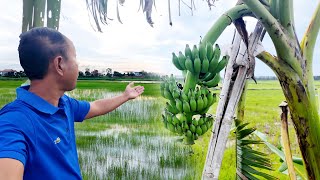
{"x":191,"y":128}
{"x":186,"y":109}
{"x":203,"y":62}
{"x":197,"y":101}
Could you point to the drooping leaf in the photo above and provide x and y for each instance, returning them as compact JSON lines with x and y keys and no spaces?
{"x":297,"y":162}
{"x":118,"y":14}
{"x":148,"y":10}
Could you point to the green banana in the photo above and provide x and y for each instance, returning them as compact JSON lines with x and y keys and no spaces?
{"x":214,"y":97}
{"x":166,"y":85}
{"x":195,"y":135}
{"x":209,"y":51}
{"x":189,"y":65}
{"x":205,"y":65}
{"x":171,"y":127}
{"x":205,"y":101}
{"x":210,"y":99}
{"x":199,"y":131}
{"x":197,"y":65}
{"x":162,"y":85}
{"x":189,"y":93}
{"x":171,"y":87}
{"x":162,"y":92}
{"x":172,"y":109}
{"x":179,"y":105}
{"x":175,"y":94}
{"x":213,"y":64}
{"x":189,"y":134}
{"x":185,"y":126}
{"x":195,"y":52}
{"x":201,"y":121}
{"x":182,"y":60}
{"x":202,"y":51}
{"x":179,"y":129}
{"x":184,"y":96}
{"x":187,"y":51}
{"x":175,"y":61}
{"x":197,"y":93}
{"x":175,"y":120}
{"x":195,"y":122}
{"x":216,"y":53}
{"x":213,"y":82}
{"x":173,"y":103}
{"x":167,"y":94}
{"x":192,"y":128}
{"x":193,"y":104}
{"x":221,"y":64}
{"x":186,"y":107}
{"x":169,"y":118}
{"x":199,"y":104}
{"x":204,"y":128}
{"x":182,"y":119}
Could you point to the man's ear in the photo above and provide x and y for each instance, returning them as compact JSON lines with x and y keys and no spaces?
{"x":58,"y":65}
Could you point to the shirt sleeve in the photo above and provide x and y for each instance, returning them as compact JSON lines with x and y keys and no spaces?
{"x":13,"y":143}
{"x":79,"y":109}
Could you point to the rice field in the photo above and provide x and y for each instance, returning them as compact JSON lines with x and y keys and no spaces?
{"x":132,"y":143}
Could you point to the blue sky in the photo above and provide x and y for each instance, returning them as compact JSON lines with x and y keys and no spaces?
{"x":134,"y":45}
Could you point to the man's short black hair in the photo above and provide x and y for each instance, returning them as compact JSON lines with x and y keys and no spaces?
{"x":37,"y":47}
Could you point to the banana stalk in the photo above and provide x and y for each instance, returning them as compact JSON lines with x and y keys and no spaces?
{"x":307,"y":47}
{"x":190,"y":82}
{"x":224,"y":21}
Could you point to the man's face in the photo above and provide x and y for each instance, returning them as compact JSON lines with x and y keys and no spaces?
{"x":72,"y":72}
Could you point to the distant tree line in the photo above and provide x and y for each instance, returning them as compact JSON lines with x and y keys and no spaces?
{"x":109,"y":73}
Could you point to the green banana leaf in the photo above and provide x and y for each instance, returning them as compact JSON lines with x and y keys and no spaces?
{"x":248,"y":159}
{"x":297,"y":162}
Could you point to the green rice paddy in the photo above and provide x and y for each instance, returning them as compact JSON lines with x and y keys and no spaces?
{"x":132,"y":143}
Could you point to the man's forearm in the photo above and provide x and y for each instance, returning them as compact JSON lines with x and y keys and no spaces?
{"x":103,"y":106}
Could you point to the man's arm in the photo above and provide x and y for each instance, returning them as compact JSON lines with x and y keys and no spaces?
{"x":11,"y":169}
{"x":103,"y":106}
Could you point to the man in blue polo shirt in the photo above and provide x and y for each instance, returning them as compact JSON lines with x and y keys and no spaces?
{"x":37,"y":139}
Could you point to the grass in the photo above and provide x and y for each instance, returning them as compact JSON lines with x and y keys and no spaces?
{"x":131,"y":142}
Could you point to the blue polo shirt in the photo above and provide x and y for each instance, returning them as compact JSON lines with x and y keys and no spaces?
{"x":41,"y":135}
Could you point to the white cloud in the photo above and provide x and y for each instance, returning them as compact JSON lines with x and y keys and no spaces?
{"x":134,"y":45}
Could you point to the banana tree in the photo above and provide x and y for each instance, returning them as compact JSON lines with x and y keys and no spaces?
{"x":292,"y":65}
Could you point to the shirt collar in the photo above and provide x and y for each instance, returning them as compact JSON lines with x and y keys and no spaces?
{"x":36,"y":101}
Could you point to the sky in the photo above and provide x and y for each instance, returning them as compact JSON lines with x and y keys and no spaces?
{"x":134,"y":45}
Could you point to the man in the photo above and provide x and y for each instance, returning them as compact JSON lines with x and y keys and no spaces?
{"x":37,"y":139}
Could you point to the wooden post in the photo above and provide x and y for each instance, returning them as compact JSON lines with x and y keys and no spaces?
{"x":238,"y":66}
{"x":285,"y":139}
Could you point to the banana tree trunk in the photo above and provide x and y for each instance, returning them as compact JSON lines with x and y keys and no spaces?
{"x":293,"y":67}
{"x":305,"y":117}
